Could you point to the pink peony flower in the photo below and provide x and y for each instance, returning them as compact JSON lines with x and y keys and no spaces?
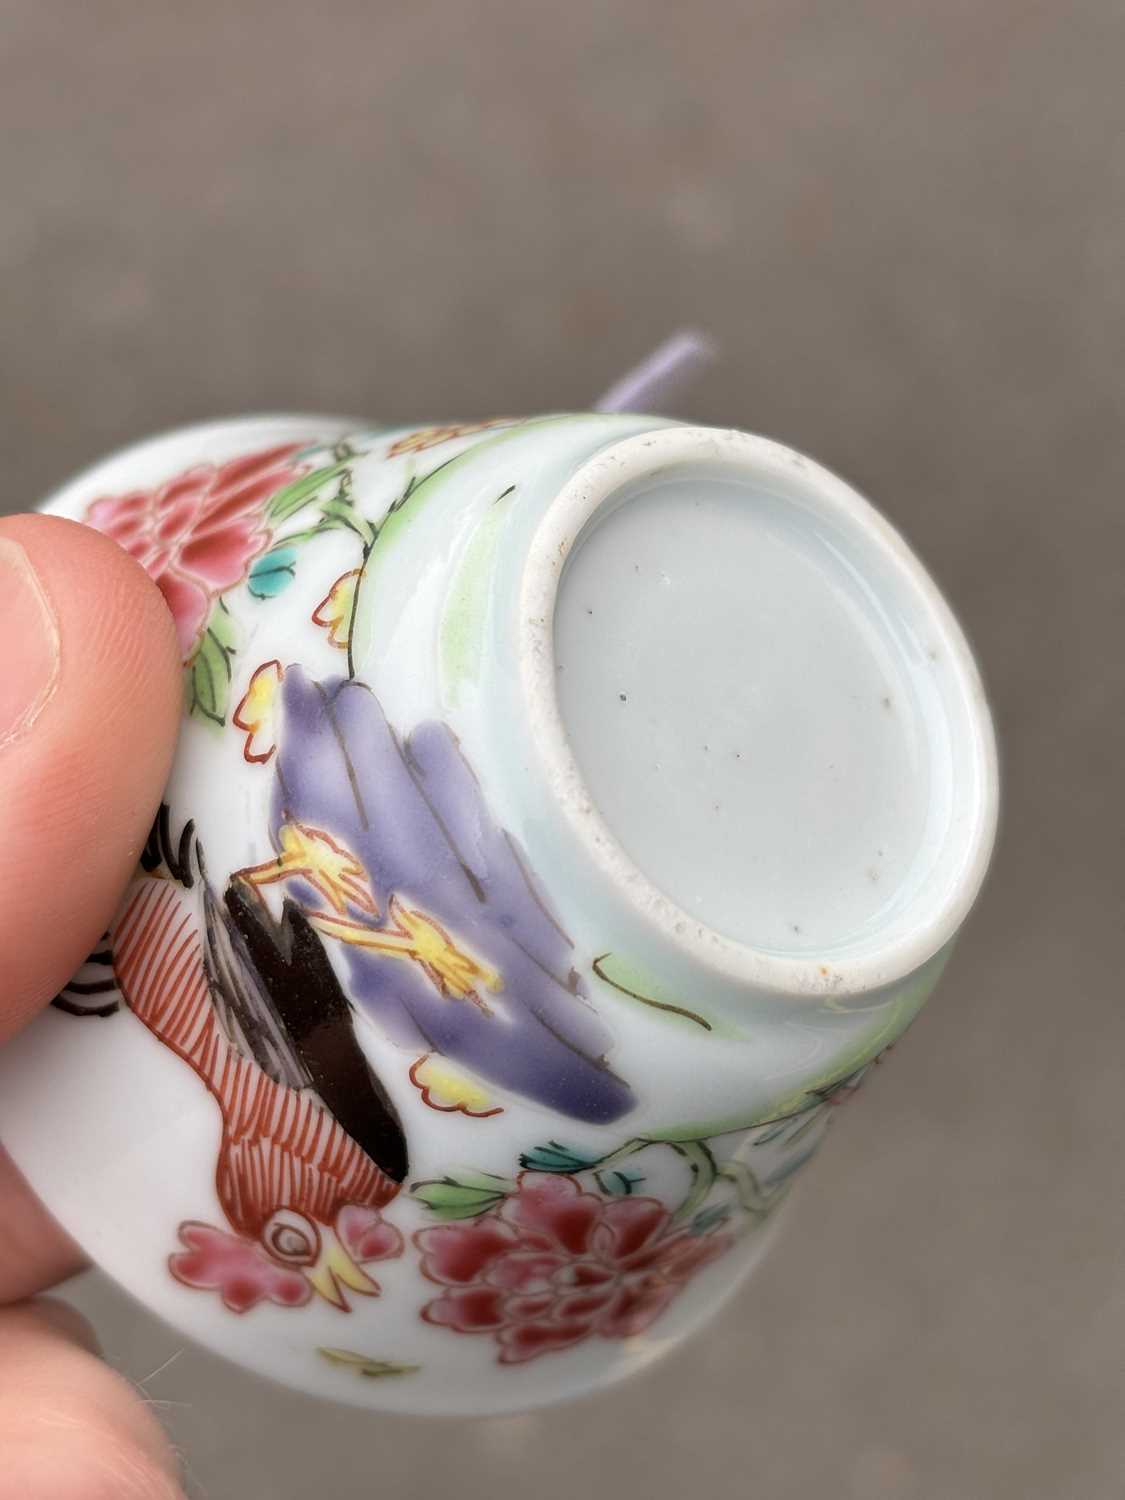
{"x":554,"y":1265}
{"x":197,"y":534}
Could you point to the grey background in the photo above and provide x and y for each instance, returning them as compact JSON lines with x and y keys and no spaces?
{"x":906,"y":224}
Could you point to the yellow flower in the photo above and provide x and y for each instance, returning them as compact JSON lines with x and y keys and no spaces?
{"x":334,"y":611}
{"x":445,"y":1087}
{"x":430,"y":437}
{"x":257,"y":712}
{"x":453,"y":970}
{"x":327,"y":866}
{"x":416,"y":936}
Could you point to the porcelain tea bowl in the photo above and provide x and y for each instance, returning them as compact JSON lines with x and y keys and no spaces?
{"x":567,"y":812}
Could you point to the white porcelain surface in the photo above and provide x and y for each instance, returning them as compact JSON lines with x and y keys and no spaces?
{"x":441,"y":883}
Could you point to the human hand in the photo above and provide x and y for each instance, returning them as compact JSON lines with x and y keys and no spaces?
{"x":89,"y":703}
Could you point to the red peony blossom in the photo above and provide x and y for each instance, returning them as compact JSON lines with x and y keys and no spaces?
{"x":555,"y":1264}
{"x":198,"y":533}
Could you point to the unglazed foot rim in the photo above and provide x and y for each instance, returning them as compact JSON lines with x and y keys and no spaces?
{"x":937,"y":911}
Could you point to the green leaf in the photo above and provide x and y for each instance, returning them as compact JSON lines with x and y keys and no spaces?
{"x":554,"y":1157}
{"x":710,"y":1218}
{"x":209,"y":671}
{"x":628,"y":980}
{"x":790,"y":1128}
{"x":273,"y":572}
{"x":363,"y":1364}
{"x":340,"y":513}
{"x":294,"y":497}
{"x":464,"y":621}
{"x":463,"y":1197}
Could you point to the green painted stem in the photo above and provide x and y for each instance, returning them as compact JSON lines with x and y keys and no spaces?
{"x":750,"y":1193}
{"x":630,"y":1148}
{"x":704,"y":1173}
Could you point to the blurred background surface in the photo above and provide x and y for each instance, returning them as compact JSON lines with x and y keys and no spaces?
{"x":905,"y":223}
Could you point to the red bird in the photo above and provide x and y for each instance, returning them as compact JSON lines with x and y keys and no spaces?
{"x":254,"y":1009}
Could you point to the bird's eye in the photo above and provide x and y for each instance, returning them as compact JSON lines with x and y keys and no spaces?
{"x":290,"y":1237}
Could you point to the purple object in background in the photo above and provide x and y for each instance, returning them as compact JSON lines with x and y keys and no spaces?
{"x":653,"y":385}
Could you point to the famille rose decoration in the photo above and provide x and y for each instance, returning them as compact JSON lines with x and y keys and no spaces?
{"x":568,"y":812}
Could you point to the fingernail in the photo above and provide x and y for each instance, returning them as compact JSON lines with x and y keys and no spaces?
{"x":29,"y":638}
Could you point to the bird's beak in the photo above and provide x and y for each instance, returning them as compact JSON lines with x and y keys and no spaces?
{"x":335,"y":1271}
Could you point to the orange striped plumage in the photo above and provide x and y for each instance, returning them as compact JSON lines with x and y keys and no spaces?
{"x":281,"y":1148}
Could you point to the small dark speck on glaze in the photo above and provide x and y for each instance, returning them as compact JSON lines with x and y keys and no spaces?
{"x":623,"y":697}
{"x":887,"y":704}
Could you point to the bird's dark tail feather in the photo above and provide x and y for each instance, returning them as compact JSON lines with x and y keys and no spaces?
{"x":298,"y":1016}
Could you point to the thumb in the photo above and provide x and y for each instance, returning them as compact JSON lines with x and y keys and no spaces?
{"x":89,"y":699}
{"x":89,"y":702}
{"x":69,"y":1425}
